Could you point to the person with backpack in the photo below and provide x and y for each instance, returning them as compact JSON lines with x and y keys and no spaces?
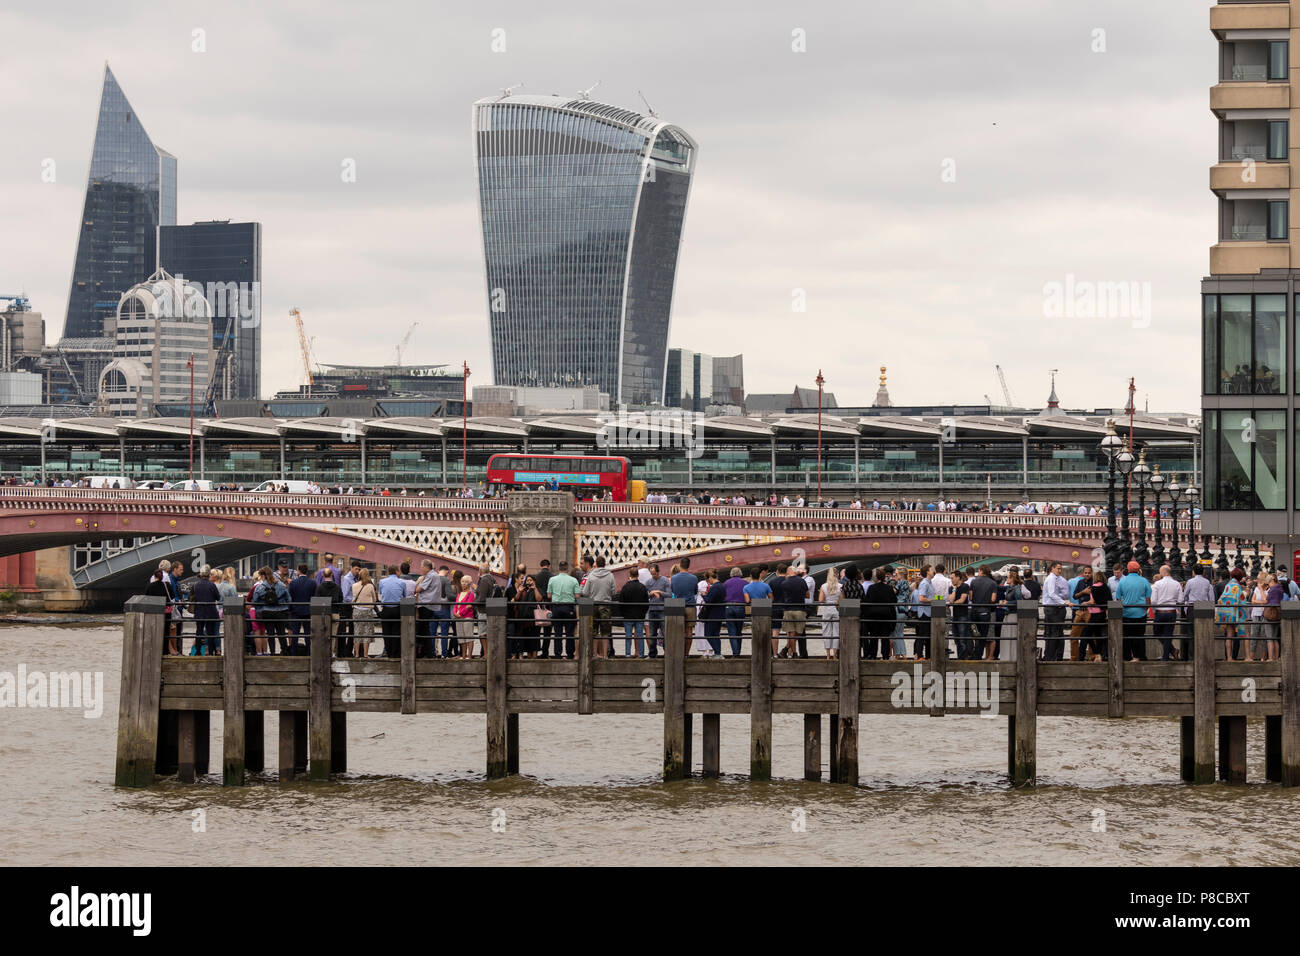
{"x":271,"y":599}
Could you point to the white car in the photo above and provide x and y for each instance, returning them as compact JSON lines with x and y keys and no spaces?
{"x":154,"y":485}
{"x":292,"y":487}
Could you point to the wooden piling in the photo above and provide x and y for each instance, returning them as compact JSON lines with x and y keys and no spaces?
{"x":494,"y":658}
{"x":849,"y":691}
{"x":586,"y":653}
{"x":1203,"y":691}
{"x":675,"y":767}
{"x":141,"y":687}
{"x":1187,"y":749}
{"x":712,"y":741}
{"x":185,"y":746}
{"x":255,"y":740}
{"x":1273,"y":748}
{"x":288,"y":763}
{"x":1115,"y":659}
{"x":688,"y":743}
{"x":760,"y":690}
{"x":320,"y":747}
{"x":202,"y":741}
{"x":1023,"y":728}
{"x":939,"y":649}
{"x":512,"y":743}
{"x":339,"y":741}
{"x":234,"y":738}
{"x":299,"y":719}
{"x":406,"y":611}
{"x":1290,"y":729}
{"x":812,"y":746}
{"x":1232,"y":749}
{"x":833,"y":738}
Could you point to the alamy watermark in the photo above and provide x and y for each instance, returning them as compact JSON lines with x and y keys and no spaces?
{"x":953,"y":689}
{"x":73,"y":690}
{"x":1086,"y":299}
{"x":662,"y":428}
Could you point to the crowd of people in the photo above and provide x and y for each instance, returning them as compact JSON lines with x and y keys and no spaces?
{"x":542,"y":609}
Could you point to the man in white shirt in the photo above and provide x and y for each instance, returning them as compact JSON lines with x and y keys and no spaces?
{"x":1056,"y":595}
{"x":1166,"y":595}
{"x":643,"y":574}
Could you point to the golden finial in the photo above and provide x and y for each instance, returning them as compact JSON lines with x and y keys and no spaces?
{"x":882,"y":376}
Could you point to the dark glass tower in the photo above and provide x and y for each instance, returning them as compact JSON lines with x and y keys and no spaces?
{"x":582,"y":207}
{"x":130,"y":191}
{"x":225,"y":259}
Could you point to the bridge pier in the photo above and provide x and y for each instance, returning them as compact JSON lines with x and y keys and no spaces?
{"x":676,"y":720}
{"x":540,"y":526}
{"x":760,"y":690}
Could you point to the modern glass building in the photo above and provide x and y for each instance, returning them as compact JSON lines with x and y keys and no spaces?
{"x":582,"y":207}
{"x":225,"y":259}
{"x":130,"y":192}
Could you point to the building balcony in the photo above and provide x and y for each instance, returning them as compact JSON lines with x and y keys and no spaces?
{"x":1250,"y":16}
{"x":1261,"y":175}
{"x":1241,"y":257}
{"x":1250,"y":95}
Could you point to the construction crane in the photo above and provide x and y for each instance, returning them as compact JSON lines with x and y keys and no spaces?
{"x":219,"y":366}
{"x":304,"y":348}
{"x":1006,"y":392}
{"x":405,"y":341}
{"x":20,"y":302}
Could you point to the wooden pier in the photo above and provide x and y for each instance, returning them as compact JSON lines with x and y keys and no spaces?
{"x":166,"y":702}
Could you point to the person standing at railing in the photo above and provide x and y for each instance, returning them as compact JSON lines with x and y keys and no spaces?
{"x":598,"y":584}
{"x":983,"y":599}
{"x":364,"y":597}
{"x":1134,"y":592}
{"x":1056,"y":599}
{"x":391,"y":591}
{"x":347,"y":585}
{"x":658,"y":589}
{"x":925,"y":595}
{"x":903,"y":601}
{"x":1166,"y":596}
{"x":562,"y":591}
{"x":302,"y":588}
{"x":207,"y":600}
{"x":734,"y":588}
{"x":428,"y":594}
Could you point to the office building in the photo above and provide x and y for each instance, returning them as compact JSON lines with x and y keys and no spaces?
{"x":582,"y":208}
{"x":161,"y":327}
{"x":130,"y":192}
{"x":1249,"y":298}
{"x":224,"y":259}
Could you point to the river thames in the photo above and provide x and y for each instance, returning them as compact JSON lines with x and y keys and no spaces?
{"x":933,"y":792}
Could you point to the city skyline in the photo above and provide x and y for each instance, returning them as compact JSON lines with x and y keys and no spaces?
{"x":952,"y":201}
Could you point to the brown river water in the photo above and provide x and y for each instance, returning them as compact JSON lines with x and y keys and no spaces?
{"x":932,"y":791}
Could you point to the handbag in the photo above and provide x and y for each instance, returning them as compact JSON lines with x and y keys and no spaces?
{"x":541,"y":614}
{"x":1273,"y":612}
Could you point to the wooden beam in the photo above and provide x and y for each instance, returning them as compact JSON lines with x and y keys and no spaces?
{"x":406,"y":610}
{"x":849,"y":690}
{"x":512,"y":743}
{"x":234,"y":736}
{"x":1232,"y":749}
{"x":1115,"y":659}
{"x":1290,"y":743}
{"x":339,"y":741}
{"x":288,"y":768}
{"x":712,"y":741}
{"x":939,"y":649}
{"x":812,"y":746}
{"x":1024,"y":727}
{"x":320,"y":746}
{"x":675,"y":767}
{"x":141,"y":688}
{"x":586,"y":653}
{"x":760,"y":690}
{"x":494,"y":657}
{"x":1203,"y":691}
{"x":202,"y":741}
{"x":185,"y":746}
{"x":1273,"y":748}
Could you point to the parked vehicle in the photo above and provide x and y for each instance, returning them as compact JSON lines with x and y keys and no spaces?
{"x":292,"y":487}
{"x":109,"y":481}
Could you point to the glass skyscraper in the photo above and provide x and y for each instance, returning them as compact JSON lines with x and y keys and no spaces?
{"x":582,"y":207}
{"x":130,"y":191}
{"x":225,"y":260}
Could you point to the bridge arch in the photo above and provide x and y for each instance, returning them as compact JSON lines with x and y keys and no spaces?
{"x":32,"y":531}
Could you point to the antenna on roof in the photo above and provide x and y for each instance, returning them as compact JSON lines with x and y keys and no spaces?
{"x":649,"y":109}
{"x":586,"y":94}
{"x":506,"y":91}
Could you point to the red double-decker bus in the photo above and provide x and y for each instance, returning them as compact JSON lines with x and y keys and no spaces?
{"x":586,"y":477}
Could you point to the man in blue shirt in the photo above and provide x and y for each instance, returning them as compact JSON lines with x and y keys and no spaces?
{"x":391,"y":591}
{"x":756,"y":590}
{"x":1134,"y":592}
{"x":686,"y":586}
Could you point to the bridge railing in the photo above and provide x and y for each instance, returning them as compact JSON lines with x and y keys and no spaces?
{"x":97,"y":495}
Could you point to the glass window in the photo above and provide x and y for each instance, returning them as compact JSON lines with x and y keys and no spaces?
{"x":1270,"y":343}
{"x":1235,"y":342}
{"x":1277,"y":219}
{"x":1278,"y":60}
{"x":1277,"y":139}
{"x":1210,"y":341}
{"x":1245,"y":467}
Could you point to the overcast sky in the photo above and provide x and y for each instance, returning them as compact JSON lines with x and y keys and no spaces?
{"x":821,"y":170}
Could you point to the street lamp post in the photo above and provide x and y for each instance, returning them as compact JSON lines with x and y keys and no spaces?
{"x":820,"y":382}
{"x":190,"y":366}
{"x":1124,"y":464}
{"x":1176,"y":492}
{"x":1142,"y":478}
{"x":1191,"y":494}
{"x":1110,"y":446}
{"x":1158,"y":482}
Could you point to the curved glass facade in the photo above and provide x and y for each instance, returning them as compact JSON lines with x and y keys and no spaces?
{"x":130,"y":191}
{"x":582,"y":207}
